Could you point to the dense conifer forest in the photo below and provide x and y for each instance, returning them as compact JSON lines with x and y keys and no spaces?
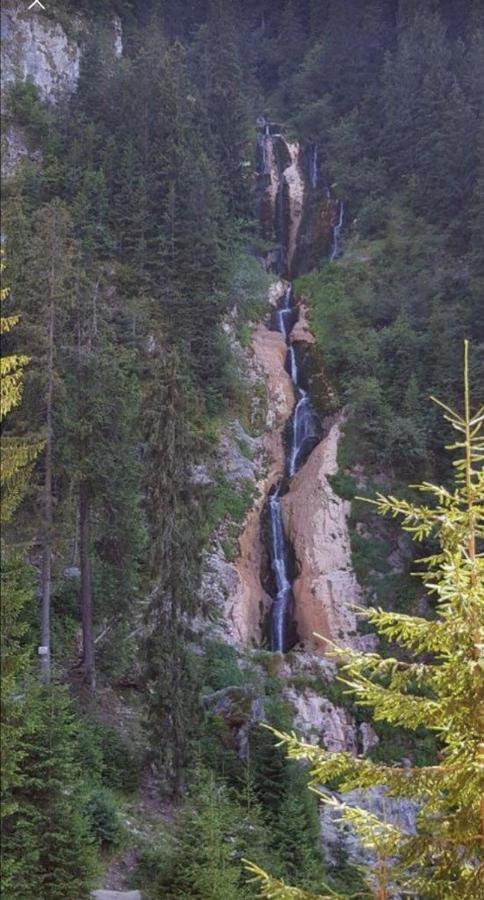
{"x":134,"y":276}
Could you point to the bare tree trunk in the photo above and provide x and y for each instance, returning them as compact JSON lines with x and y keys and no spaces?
{"x":86,"y":588}
{"x":46,"y":571}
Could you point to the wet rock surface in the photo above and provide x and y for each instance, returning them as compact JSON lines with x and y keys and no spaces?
{"x":315,"y":517}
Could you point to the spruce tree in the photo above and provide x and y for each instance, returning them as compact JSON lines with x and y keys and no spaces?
{"x":174,"y":529}
{"x":438,"y":685}
{"x":46,"y":843}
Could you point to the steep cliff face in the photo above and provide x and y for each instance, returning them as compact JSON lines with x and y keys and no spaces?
{"x":235,"y":587}
{"x":314,"y":517}
{"x":39,"y":49}
{"x":295,"y":209}
{"x":316,"y":523}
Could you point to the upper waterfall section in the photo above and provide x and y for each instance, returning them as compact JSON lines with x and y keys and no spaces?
{"x":297,"y":212}
{"x":282,"y":204}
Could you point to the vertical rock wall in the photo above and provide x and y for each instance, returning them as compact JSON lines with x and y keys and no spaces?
{"x":316,"y":524}
{"x":37,"y":48}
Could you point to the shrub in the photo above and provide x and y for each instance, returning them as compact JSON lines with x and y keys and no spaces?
{"x":221,"y":666}
{"x":103,"y":817}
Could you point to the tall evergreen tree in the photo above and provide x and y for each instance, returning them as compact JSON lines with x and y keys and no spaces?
{"x":45,"y":842}
{"x":174,"y":537}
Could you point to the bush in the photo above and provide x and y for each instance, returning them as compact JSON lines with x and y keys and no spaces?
{"x":221,"y":666}
{"x":344,"y":485}
{"x":107,"y":758}
{"x":103,"y":816}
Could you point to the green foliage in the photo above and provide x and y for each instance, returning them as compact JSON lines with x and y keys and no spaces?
{"x":228,"y":503}
{"x":248,"y":284}
{"x":230,"y":500}
{"x":344,"y":485}
{"x":27,"y":110}
{"x":221,"y":667}
{"x":201,"y":857}
{"x":107,"y":758}
{"x":17,"y":593}
{"x":102,"y":814}
{"x":46,"y":844}
{"x":174,"y":529}
{"x":368,"y":554}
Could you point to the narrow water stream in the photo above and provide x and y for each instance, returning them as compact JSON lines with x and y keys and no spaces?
{"x":337,"y":229}
{"x":304,"y":433}
{"x":279,"y":166}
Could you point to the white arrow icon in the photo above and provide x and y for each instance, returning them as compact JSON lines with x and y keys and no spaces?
{"x":36,"y":3}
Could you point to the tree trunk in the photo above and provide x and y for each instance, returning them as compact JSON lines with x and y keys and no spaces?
{"x":46,"y":572}
{"x":86,"y":588}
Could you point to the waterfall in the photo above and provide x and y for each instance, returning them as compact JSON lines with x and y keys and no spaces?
{"x":281,"y":612}
{"x":286,"y":193}
{"x":337,"y":228}
{"x":304,"y":432}
{"x":314,"y":166}
{"x":304,"y":435}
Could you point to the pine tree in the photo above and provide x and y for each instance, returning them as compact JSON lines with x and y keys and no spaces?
{"x":46,"y":290}
{"x":98,"y":428}
{"x":220,"y":75}
{"x":441,"y":688}
{"x":46,"y":842}
{"x":174,"y":530}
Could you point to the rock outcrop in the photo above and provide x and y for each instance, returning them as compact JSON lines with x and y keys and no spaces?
{"x":282,"y":200}
{"x":116,"y":895}
{"x":321,"y":722}
{"x":295,"y":192}
{"x":39,"y":49}
{"x":235,"y":588}
{"x":343,"y":843}
{"x":315,"y":519}
{"x":36,"y":48}
{"x":301,"y":330}
{"x":249,"y":602}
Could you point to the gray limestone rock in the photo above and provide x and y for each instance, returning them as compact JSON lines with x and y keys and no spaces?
{"x":116,"y":895}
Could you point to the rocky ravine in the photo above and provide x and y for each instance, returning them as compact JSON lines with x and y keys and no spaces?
{"x":235,"y":588}
{"x":315,"y":518}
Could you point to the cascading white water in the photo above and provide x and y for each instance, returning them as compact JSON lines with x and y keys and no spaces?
{"x":335,"y":249}
{"x":304,"y":432}
{"x":285,"y":314}
{"x":292,"y":364}
{"x":314,"y":167}
{"x":287,"y":183}
{"x":303,"y":435}
{"x":282,"y":604}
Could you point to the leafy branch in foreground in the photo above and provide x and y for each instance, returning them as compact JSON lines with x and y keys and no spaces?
{"x":274,"y":889}
{"x":17,"y":453}
{"x":442,"y":688}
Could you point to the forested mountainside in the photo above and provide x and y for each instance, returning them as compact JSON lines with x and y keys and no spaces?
{"x":242,"y":246}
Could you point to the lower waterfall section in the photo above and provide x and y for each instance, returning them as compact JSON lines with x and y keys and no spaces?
{"x":283,"y":602}
{"x":304,"y":433}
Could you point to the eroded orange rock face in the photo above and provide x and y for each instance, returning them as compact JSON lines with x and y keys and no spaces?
{"x":250,"y":602}
{"x":315,"y":519}
{"x":301,"y":330}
